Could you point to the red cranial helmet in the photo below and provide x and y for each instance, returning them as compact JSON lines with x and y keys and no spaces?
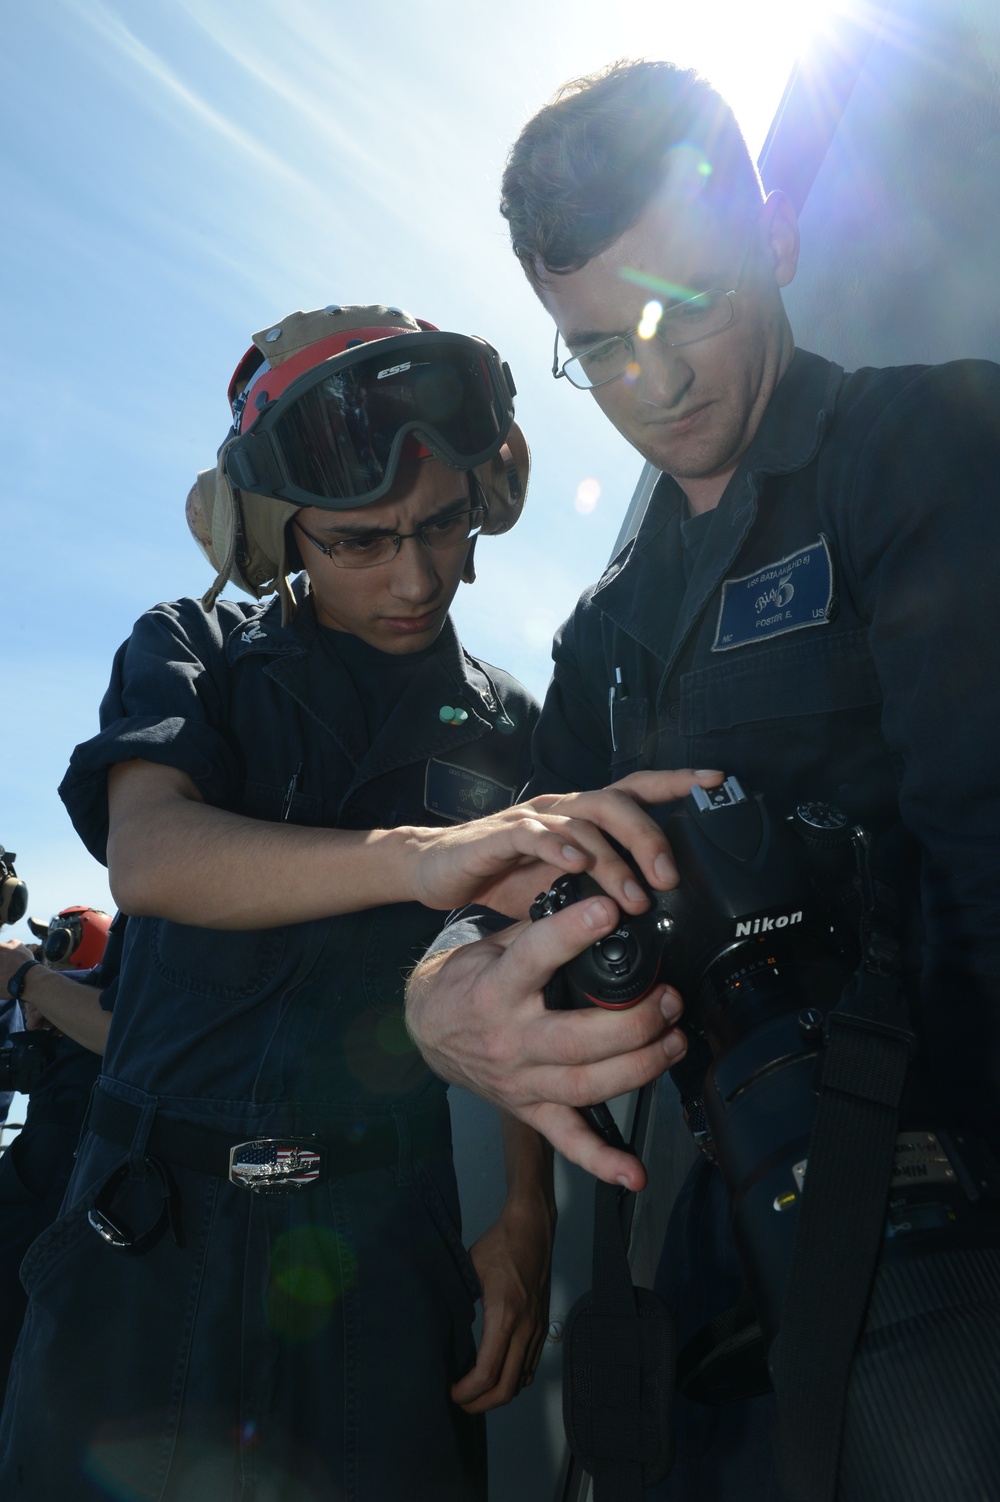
{"x":75,"y":938}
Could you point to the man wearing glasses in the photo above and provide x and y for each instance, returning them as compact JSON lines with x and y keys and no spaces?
{"x":809,"y":603}
{"x":258,"y":1284}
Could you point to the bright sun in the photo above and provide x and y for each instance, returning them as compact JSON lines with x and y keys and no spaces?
{"x":746,"y":50}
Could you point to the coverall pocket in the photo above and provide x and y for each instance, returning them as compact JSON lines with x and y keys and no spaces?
{"x":813,"y":673}
{"x":628,"y":726}
{"x":219,"y":965}
{"x":81,"y":1427}
{"x":447,"y":1229}
{"x":59,"y":1242}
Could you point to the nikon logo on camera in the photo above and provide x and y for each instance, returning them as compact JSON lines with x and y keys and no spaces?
{"x":765,"y":925}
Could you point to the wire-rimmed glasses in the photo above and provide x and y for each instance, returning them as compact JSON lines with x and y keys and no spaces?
{"x":369,"y":549}
{"x":687,"y":322}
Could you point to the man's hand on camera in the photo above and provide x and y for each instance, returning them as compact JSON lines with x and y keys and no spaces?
{"x":478,"y":1016}
{"x":505,"y":860}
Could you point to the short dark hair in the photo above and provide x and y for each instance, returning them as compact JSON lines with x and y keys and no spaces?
{"x":583,"y":169}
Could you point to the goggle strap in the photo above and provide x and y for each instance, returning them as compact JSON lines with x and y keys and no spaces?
{"x":250,"y":464}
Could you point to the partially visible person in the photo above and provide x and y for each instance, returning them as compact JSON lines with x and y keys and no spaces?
{"x":67,"y":1011}
{"x":75,"y":943}
{"x":13,"y":906}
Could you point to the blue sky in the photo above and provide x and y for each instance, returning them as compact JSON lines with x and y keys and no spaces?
{"x":179,"y":173}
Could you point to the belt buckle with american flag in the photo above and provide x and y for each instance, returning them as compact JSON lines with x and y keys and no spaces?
{"x":276,"y":1165}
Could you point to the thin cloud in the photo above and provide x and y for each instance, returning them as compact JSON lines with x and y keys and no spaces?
{"x":114,"y":31}
{"x":313,"y":78}
{"x":399,"y":148}
{"x":287,"y":84}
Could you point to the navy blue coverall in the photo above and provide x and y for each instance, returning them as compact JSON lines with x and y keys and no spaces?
{"x":297,"y":1345}
{"x":828,"y":631}
{"x":831,"y":633}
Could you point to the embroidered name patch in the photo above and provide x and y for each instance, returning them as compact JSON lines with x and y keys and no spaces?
{"x":788,"y":595}
{"x":458,"y":793}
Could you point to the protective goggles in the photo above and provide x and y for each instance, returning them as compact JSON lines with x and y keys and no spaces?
{"x":334,"y":438}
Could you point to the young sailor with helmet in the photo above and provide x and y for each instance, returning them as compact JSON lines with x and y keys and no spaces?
{"x":258,"y":1285}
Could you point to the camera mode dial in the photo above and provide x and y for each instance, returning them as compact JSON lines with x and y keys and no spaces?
{"x":821,"y":825}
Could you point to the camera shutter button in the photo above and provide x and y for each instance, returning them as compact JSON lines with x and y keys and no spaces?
{"x":616,"y":954}
{"x":614,"y":949}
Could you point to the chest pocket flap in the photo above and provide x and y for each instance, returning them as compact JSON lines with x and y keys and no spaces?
{"x":802,"y":674}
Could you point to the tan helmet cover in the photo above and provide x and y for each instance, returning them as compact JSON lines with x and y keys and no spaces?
{"x":243,"y":534}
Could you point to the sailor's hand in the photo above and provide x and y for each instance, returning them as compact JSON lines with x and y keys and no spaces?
{"x":12,"y":956}
{"x":505,"y":860}
{"x":478,"y":1016}
{"x":512,"y":1259}
{"x":34,"y":1022}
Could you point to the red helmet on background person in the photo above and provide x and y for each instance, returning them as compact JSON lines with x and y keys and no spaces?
{"x":324,"y":405}
{"x":74,"y":939}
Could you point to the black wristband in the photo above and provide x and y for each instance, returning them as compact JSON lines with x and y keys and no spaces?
{"x":16,"y":983}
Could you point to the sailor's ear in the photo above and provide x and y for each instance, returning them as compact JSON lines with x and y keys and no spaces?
{"x":469,"y":571}
{"x":781,"y":232}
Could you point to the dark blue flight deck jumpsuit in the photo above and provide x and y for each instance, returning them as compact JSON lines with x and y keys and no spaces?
{"x":298,"y":1344}
{"x":829,"y":631}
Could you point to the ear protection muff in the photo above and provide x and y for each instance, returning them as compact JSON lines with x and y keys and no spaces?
{"x":63,"y":937}
{"x":76,"y":938}
{"x":13,"y":892}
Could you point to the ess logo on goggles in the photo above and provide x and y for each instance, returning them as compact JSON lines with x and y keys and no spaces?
{"x":334,"y":438}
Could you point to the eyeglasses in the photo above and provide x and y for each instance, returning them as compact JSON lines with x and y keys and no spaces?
{"x":372,"y":548}
{"x":686,"y":322}
{"x":335,"y":436}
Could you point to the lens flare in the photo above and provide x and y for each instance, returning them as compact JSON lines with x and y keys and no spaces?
{"x":379,"y":1051}
{"x":391,"y":1035}
{"x":687,"y":171}
{"x":631,"y":373}
{"x":588,"y":493}
{"x":671,"y":291}
{"x":650,"y":321}
{"x":117,"y":1462}
{"x":311,"y":1269}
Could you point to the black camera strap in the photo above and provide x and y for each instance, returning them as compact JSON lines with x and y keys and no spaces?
{"x":841,"y":1221}
{"x":619,"y":1353}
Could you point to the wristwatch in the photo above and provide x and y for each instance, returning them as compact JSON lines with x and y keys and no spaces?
{"x":16,"y":983}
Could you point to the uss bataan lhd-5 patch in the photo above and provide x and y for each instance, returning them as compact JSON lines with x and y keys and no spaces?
{"x":788,"y":595}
